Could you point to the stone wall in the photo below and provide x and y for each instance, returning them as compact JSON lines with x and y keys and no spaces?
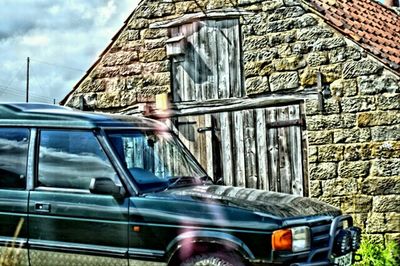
{"x":354,"y":144}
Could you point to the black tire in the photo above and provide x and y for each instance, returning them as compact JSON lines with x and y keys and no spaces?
{"x":214,"y":259}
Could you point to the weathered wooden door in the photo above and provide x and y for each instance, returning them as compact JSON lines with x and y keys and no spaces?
{"x":256,"y":148}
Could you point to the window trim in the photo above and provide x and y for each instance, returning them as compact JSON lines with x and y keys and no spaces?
{"x":35,"y":176}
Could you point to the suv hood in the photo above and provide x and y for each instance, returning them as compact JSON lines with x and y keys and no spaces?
{"x":270,"y":203}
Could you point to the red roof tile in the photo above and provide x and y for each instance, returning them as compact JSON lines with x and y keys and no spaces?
{"x":372,"y":25}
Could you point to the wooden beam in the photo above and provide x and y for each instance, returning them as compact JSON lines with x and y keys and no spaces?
{"x":211,"y":14}
{"x":234,"y":104}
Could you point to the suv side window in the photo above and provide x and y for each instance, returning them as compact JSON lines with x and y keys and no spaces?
{"x":70,"y":159}
{"x":13,"y":157}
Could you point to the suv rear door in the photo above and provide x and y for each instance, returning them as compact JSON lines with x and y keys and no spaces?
{"x":67,"y":224}
{"x":14,"y":147}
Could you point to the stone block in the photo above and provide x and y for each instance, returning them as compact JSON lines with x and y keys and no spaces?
{"x":279,"y":38}
{"x":363,"y":67}
{"x":129,"y":70}
{"x":281,"y":25}
{"x":314,"y":33}
{"x":360,"y":220}
{"x":300,"y":48}
{"x":157,"y":79}
{"x":317,"y":58}
{"x":379,"y":118}
{"x":331,"y":73}
{"x":309,"y":76}
{"x":315,"y":188}
{"x":153,"y":55}
{"x":353,"y":135}
{"x":185,"y":7}
{"x":357,"y":204}
{"x":323,"y":171}
{"x":138,"y":24}
{"x":387,"y":149}
{"x":290,"y":63}
{"x":339,"y":187}
{"x":383,"y":223}
{"x":284,"y":81}
{"x":392,"y":237}
{"x":358,"y":104}
{"x":255,"y":42}
{"x":387,"y":203}
{"x":154,"y":43}
{"x":286,"y":12}
{"x":388,"y":102}
{"x":334,"y":121}
{"x":319,"y":137}
{"x":153,"y":33}
{"x":380,"y":186}
{"x":307,"y":20}
{"x":386,"y":168}
{"x":328,"y":43}
{"x":342,"y":54}
{"x":344,"y":87}
{"x":108,"y":100}
{"x":330,"y":153}
{"x":270,"y":5}
{"x":155,"y":67}
{"x":128,"y":98}
{"x":359,"y":151}
{"x":257,"y":85}
{"x":385,"y":133}
{"x":312,"y":154}
{"x":368,"y":85}
{"x":358,"y":169}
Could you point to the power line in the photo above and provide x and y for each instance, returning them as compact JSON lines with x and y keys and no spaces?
{"x":58,"y":65}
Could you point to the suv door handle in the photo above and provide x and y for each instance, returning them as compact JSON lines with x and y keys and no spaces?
{"x":42,"y":207}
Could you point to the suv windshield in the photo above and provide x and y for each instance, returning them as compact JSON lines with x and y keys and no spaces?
{"x":156,"y":160}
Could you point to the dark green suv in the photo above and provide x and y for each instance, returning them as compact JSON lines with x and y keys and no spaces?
{"x":94,"y":189}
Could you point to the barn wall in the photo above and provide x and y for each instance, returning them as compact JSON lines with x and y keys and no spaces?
{"x":354,"y":144}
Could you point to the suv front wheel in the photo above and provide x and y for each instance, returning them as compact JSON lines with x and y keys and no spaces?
{"x":214,"y":259}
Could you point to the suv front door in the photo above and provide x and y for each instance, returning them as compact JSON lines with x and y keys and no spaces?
{"x":67,"y":224}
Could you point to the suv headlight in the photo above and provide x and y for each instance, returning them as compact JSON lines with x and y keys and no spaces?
{"x":291,"y":239}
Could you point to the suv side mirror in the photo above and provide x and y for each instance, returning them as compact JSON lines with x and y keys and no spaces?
{"x":105,"y":186}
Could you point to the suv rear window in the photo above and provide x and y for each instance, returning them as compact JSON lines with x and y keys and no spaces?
{"x":13,"y":157}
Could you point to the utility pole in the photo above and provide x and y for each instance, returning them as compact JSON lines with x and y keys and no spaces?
{"x":27,"y":80}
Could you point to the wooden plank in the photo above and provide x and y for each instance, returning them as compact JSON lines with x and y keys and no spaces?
{"x":223,"y":67}
{"x":262,"y":152}
{"x":304,"y":144}
{"x":238,"y":137}
{"x":296,"y":152}
{"x":250,"y":149}
{"x":188,"y":74}
{"x":284,"y":159}
{"x":197,"y":61}
{"x":212,"y":60}
{"x":209,"y":146}
{"x":226,"y":148}
{"x":235,"y":71}
{"x":273,"y":151}
{"x":202,"y":60}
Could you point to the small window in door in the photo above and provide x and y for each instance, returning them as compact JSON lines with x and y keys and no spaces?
{"x":70,"y":159}
{"x":13,"y":157}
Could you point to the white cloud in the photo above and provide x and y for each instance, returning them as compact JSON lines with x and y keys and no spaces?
{"x":62,"y":38}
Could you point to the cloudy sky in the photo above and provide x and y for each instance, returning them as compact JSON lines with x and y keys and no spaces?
{"x":62,"y":38}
